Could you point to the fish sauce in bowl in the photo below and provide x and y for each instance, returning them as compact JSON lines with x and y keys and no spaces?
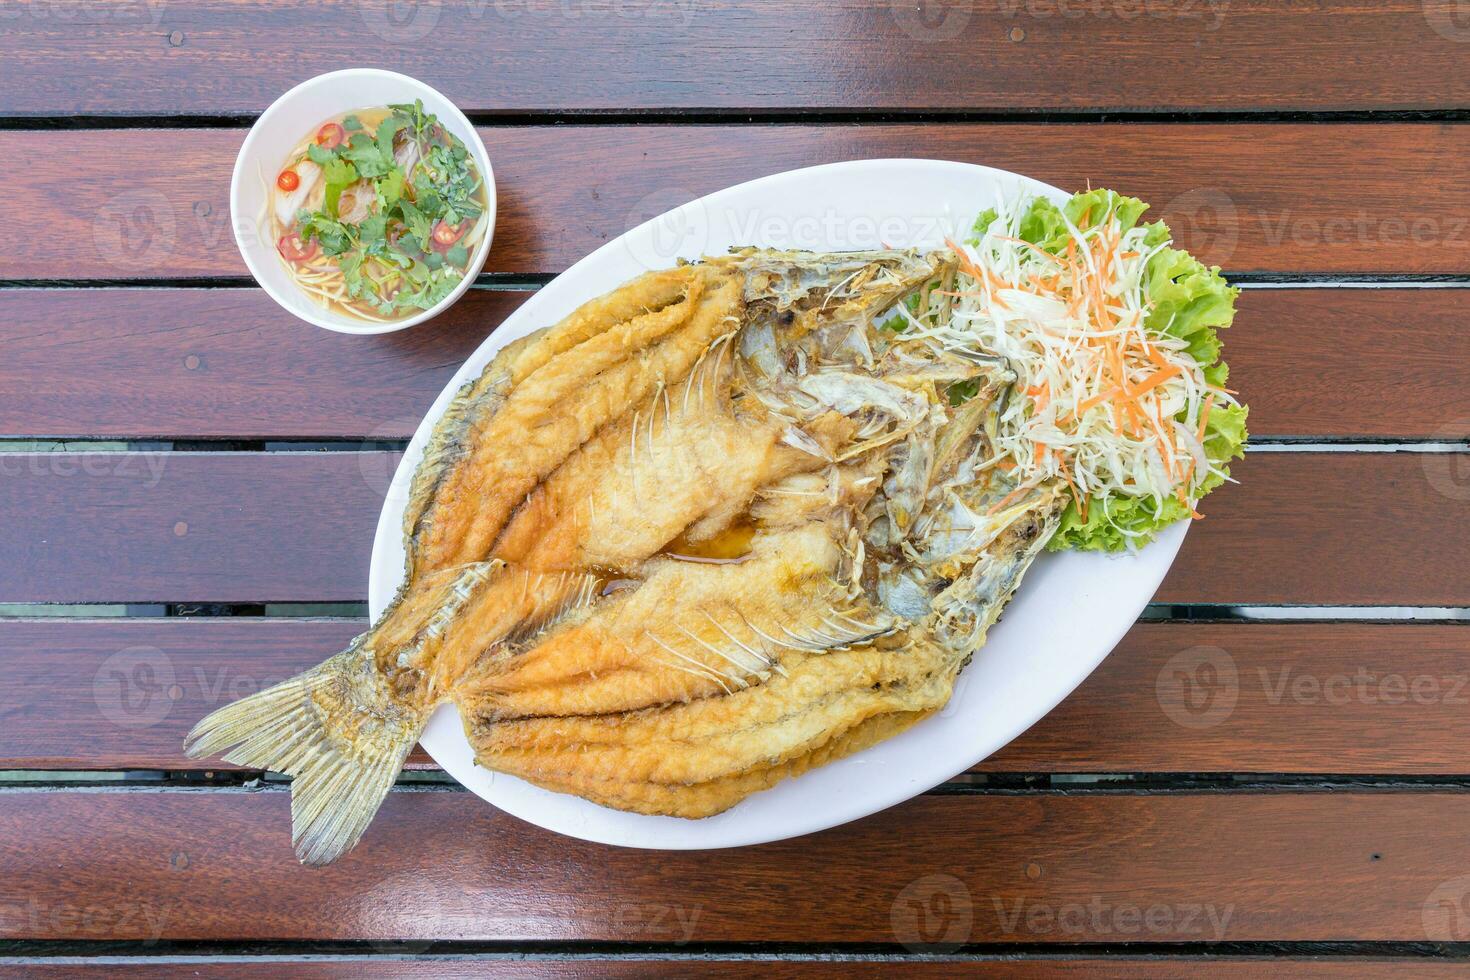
{"x":377,"y":213}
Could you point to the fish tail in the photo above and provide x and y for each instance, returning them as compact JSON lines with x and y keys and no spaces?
{"x":337,"y":730}
{"x":343,"y":728}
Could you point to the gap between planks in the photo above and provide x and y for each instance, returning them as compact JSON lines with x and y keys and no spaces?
{"x":529,"y":282}
{"x":158,"y":782}
{"x":183,"y":953}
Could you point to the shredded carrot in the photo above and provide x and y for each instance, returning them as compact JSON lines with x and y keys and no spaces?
{"x":1153,"y":355}
{"x":1010,"y":498}
{"x":1089,"y":403}
{"x":1181,"y":491}
{"x":1133,"y":418}
{"x":1167,"y":447}
{"x":1204,"y":416}
{"x":979,"y":273}
{"x":1131,"y":395}
{"x":1154,"y":380}
{"x":1031,"y":245}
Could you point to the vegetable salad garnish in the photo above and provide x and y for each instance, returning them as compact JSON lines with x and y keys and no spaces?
{"x":1113,"y":333}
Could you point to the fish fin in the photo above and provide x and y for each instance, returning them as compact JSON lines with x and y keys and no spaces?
{"x":336,"y":730}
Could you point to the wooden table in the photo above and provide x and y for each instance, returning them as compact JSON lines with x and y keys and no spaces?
{"x":1245,"y":784}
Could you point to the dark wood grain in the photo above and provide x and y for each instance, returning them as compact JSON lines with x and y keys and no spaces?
{"x":1246,"y":197}
{"x":1352,"y":362}
{"x":123,"y":694}
{"x":220,"y":363}
{"x":443,"y":865}
{"x":1244,"y":697}
{"x":1298,"y":698}
{"x":1334,"y":529}
{"x":220,"y":527}
{"x":528,"y":55}
{"x":1122,"y":967}
{"x":229,"y":363}
{"x":1307,"y":528}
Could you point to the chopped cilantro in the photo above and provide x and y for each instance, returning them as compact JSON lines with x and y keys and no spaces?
{"x":386,"y":260}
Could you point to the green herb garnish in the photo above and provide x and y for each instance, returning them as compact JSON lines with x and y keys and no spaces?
{"x":389,"y":260}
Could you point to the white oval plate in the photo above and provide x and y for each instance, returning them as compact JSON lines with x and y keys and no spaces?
{"x":1067,"y":616}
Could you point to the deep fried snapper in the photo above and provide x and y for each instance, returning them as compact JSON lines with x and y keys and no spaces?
{"x":709,"y":531}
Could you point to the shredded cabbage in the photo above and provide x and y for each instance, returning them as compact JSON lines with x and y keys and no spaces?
{"x":1113,"y":335}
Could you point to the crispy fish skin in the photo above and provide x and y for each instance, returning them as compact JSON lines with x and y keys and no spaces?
{"x":697,"y":759}
{"x":456,"y":436}
{"x":561,"y":404}
{"x":640,"y":481}
{"x":547,"y":595}
{"x":705,"y":799}
{"x":344,"y":728}
{"x":689,"y":630}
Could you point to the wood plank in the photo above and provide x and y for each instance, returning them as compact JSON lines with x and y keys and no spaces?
{"x":1255,"y":697}
{"x":220,"y":527}
{"x":589,"y":968}
{"x":1333,"y":529}
{"x":1308,"y":528}
{"x":1121,"y":967}
{"x":1245,"y":197}
{"x":123,"y":694}
{"x":1319,"y":362}
{"x":1033,"y":869}
{"x":530,"y":55}
{"x":1193,"y":697}
{"x":220,"y":363}
{"x":229,"y":363}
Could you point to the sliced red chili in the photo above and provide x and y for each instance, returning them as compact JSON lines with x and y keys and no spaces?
{"x":446,"y":235}
{"x":330,"y":136}
{"x":294,"y":249}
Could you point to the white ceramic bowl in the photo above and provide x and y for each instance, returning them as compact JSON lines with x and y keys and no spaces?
{"x":281,"y":127}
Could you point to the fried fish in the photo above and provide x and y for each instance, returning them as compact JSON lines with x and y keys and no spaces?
{"x":708,"y":532}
